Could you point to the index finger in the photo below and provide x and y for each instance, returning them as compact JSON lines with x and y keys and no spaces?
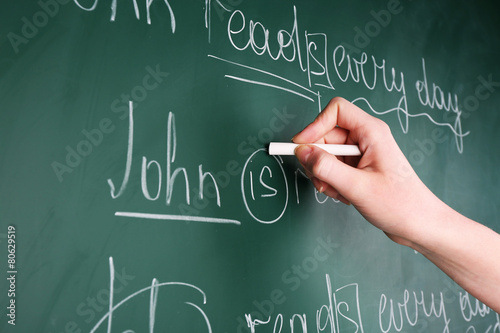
{"x":339,"y":112}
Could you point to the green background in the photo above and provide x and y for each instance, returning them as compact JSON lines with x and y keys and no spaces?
{"x":66,"y":72}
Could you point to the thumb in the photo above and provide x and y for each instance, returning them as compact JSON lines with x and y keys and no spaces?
{"x":328,"y":169}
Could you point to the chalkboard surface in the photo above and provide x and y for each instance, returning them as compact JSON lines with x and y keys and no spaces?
{"x":136,"y":195}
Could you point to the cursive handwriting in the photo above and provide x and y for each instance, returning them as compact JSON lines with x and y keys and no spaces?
{"x":341,"y":314}
{"x":170,"y":177}
{"x":148,"y":3}
{"x":472,"y":308}
{"x":322,"y":66}
{"x":396,"y":315}
{"x":263,"y":182}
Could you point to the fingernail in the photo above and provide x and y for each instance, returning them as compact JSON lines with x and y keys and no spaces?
{"x":303,"y":152}
{"x":320,"y":187}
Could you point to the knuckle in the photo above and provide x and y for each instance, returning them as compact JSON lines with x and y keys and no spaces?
{"x":379,"y":130}
{"x":383,"y":127}
{"x":338,"y":100}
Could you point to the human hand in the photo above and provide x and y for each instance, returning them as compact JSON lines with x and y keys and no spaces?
{"x":380,"y":184}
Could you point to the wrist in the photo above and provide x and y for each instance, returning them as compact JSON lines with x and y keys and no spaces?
{"x":427,"y":222}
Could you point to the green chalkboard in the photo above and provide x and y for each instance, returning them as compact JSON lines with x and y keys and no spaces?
{"x":136,"y":195}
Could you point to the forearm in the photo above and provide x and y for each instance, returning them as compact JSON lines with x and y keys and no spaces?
{"x":465,"y":250}
{"x":385,"y":190}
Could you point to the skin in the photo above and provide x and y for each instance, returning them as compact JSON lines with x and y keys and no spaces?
{"x":383,"y":187}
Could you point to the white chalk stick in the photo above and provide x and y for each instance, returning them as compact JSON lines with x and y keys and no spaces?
{"x":285,"y":148}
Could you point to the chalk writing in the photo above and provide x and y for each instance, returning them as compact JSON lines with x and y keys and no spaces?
{"x":322,"y":66}
{"x":153,"y":290}
{"x":170,"y":178}
{"x":269,"y":191}
{"x":148,"y":3}
{"x":492,"y":328}
{"x":301,"y":173}
{"x":472,"y":308}
{"x":395,"y":316}
{"x":285,"y":80}
{"x":440,"y":102}
{"x":341,"y":314}
{"x":208,"y":14}
{"x":263,"y":181}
